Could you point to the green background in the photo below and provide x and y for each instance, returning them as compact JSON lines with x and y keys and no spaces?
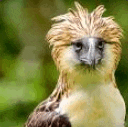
{"x":27,"y":73}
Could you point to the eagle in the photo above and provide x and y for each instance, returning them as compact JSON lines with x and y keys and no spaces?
{"x":86,"y":49}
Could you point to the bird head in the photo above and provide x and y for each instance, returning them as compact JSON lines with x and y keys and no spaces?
{"x":85,"y":41}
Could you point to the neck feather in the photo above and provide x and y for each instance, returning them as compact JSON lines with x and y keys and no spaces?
{"x":67,"y":83}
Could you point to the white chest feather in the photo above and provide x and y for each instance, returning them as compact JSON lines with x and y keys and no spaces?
{"x":101,"y":106}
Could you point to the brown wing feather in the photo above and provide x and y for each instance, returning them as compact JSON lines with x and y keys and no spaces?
{"x":46,"y":116}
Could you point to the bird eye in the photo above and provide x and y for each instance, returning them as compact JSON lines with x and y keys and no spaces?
{"x":77,"y":46}
{"x":101,"y":45}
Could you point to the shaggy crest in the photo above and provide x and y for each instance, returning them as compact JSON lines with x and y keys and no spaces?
{"x":76,"y":24}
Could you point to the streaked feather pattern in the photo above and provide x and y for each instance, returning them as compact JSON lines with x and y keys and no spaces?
{"x":67,"y":28}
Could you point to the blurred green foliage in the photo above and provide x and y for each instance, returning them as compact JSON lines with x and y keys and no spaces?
{"x":27,"y":72}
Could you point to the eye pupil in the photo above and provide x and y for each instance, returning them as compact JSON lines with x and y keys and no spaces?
{"x":79,"y":45}
{"x":100,"y":45}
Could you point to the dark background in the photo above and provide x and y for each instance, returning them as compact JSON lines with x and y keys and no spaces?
{"x":27,"y":72}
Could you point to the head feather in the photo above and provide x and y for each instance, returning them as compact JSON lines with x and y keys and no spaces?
{"x":77,"y":24}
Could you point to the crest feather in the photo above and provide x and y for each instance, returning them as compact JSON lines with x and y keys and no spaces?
{"x":81,"y":10}
{"x":79,"y":23}
{"x":99,"y":11}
